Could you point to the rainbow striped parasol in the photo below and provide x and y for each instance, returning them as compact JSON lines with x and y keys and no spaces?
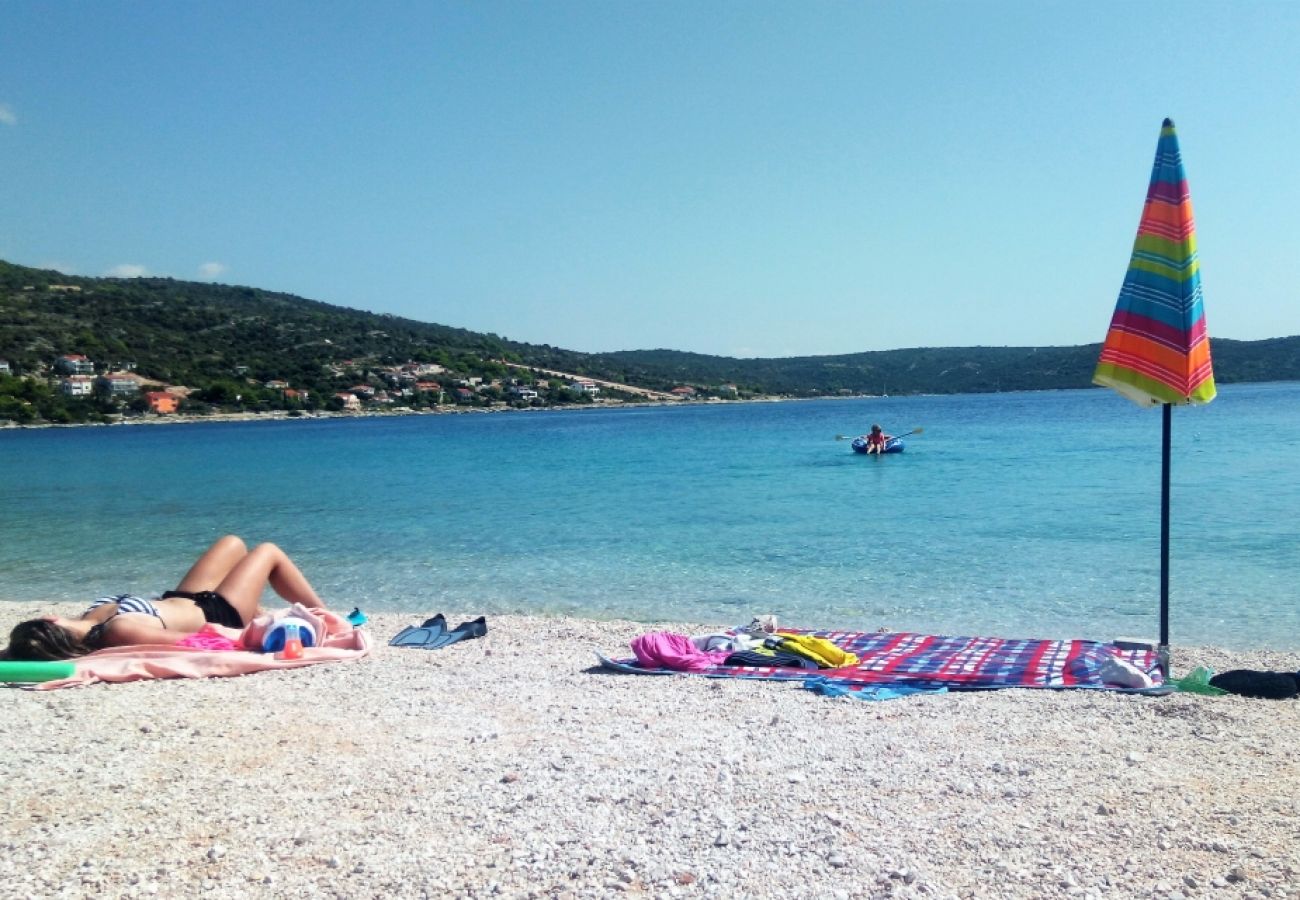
{"x":1157,"y":350}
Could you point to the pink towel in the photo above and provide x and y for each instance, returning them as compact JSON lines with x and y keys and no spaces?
{"x":665,"y":650}
{"x":144,"y":661}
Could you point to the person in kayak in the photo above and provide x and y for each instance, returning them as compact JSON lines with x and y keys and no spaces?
{"x":876,"y":440}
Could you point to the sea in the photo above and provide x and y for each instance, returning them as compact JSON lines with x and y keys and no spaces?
{"x":1018,"y":514}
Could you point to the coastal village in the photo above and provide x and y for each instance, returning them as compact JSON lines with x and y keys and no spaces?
{"x":203,"y":352}
{"x":117,"y":388}
{"x":108,"y":351}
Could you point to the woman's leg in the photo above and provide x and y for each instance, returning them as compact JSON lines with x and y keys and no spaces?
{"x":214,"y":565}
{"x":266,"y":563}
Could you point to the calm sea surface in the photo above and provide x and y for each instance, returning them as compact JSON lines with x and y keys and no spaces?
{"x":1030,"y":515}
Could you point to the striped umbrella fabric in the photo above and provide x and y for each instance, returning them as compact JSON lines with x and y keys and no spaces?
{"x":1157,"y":350}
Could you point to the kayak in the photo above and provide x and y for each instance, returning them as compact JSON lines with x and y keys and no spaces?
{"x":892,"y":445}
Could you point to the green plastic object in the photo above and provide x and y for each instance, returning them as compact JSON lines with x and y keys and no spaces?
{"x":1197,"y":681}
{"x":35,"y":671}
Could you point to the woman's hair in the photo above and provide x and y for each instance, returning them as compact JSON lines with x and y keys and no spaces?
{"x":875,"y":427}
{"x":41,"y":640}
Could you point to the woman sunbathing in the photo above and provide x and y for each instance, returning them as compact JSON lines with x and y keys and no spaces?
{"x":224,"y":586}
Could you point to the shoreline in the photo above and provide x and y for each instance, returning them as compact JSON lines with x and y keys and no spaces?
{"x":284,"y":415}
{"x":510,"y":766}
{"x":311,"y":415}
{"x":1280,"y":656}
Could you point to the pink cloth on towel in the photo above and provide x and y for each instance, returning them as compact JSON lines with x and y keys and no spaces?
{"x":141,"y":662}
{"x":665,"y":650}
{"x":208,"y":640}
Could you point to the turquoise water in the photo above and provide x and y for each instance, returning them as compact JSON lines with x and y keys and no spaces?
{"x":1032,"y":514}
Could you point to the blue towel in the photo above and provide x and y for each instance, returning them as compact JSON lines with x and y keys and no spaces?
{"x":868,"y":691}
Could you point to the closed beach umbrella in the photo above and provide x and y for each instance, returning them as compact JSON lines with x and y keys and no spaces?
{"x":1157,"y":352}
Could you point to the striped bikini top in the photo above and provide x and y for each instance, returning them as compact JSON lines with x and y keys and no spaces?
{"x":126,"y":603}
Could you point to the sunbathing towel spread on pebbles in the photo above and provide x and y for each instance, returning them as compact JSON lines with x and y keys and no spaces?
{"x":510,"y":766}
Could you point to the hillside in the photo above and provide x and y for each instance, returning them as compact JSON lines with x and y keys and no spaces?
{"x":193,"y":333}
{"x":930,"y":370}
{"x":199,"y":334}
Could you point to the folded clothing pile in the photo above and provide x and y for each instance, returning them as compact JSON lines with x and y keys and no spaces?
{"x":744,"y":647}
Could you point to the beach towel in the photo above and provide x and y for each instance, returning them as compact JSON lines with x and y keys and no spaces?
{"x":867,"y":691}
{"x":141,"y":662}
{"x":955,"y":663}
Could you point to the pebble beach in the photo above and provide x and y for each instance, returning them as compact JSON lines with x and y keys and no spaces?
{"x":511,"y":766}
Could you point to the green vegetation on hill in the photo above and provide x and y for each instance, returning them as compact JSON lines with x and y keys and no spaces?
{"x":224,"y":341}
{"x":191,"y":333}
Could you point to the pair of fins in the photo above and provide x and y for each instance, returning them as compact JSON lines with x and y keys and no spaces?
{"x":433,"y":633}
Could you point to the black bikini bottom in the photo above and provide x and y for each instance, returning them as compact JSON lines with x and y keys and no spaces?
{"x":215,"y":607}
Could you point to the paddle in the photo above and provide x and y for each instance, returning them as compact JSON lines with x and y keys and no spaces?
{"x":849,"y":437}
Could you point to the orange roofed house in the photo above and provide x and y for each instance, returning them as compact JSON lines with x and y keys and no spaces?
{"x":161,"y":402}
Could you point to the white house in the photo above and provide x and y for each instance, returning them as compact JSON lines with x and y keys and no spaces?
{"x":119,"y":383}
{"x":74,"y":364}
{"x":77,"y":386}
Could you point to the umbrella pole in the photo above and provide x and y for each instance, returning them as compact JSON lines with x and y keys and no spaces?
{"x":1164,"y":539}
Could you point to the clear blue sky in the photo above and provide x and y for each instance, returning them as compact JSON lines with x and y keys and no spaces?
{"x":739,"y":178}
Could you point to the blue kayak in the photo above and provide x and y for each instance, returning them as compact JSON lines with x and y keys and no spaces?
{"x":893,"y":445}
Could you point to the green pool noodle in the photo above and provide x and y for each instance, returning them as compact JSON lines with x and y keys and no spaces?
{"x":35,"y":671}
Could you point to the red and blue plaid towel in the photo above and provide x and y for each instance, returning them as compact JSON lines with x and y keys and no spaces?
{"x":956,"y":663}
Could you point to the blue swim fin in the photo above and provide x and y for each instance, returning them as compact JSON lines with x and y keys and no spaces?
{"x":464,"y":631}
{"x":426,"y":636}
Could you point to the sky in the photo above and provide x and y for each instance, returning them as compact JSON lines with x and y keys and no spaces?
{"x":736,"y":177}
